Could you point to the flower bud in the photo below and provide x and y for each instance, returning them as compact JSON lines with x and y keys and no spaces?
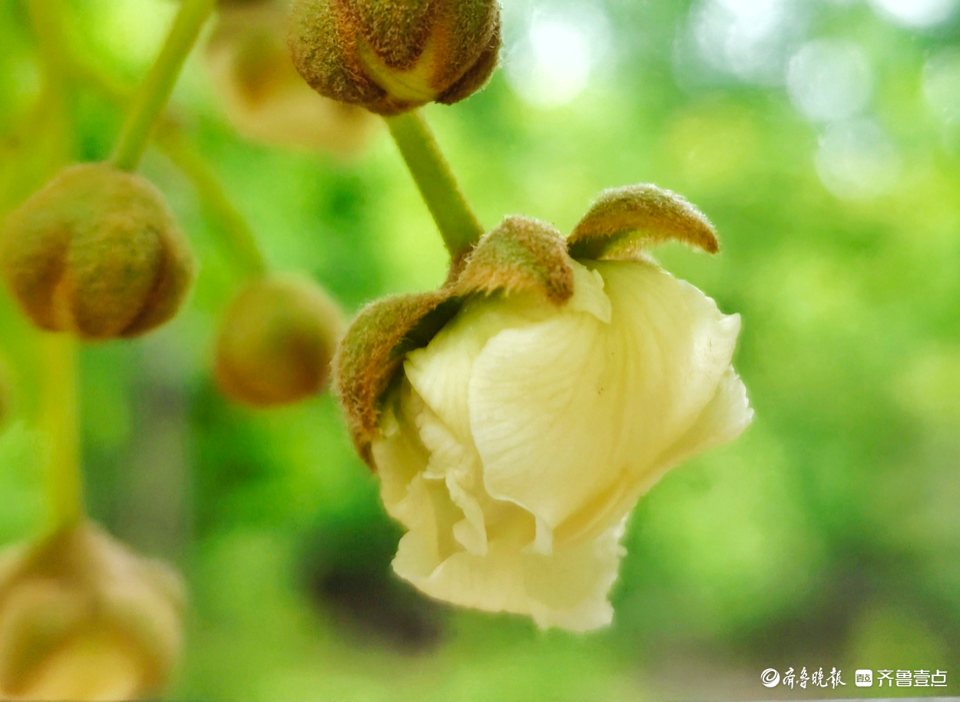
{"x":83,"y":618}
{"x":392,"y":57}
{"x":517,"y":415}
{"x":96,"y":252}
{"x":276,"y":342}
{"x":264,"y":97}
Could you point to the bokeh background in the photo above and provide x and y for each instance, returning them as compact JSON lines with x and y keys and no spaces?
{"x":823,"y":139}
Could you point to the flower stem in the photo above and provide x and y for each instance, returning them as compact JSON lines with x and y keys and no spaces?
{"x":156,"y":88}
{"x":458,"y":226}
{"x":239,"y":238}
{"x":64,"y":477}
{"x":45,"y":19}
{"x":242,"y":244}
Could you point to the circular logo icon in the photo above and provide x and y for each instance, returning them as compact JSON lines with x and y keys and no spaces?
{"x":770,"y":677}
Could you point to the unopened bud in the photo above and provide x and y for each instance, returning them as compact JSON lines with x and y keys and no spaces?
{"x":276,"y":342}
{"x":83,"y":618}
{"x":392,"y":57}
{"x":262,"y":94}
{"x":96,"y":252}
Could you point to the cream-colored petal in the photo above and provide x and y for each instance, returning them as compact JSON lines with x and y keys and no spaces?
{"x":398,"y":454}
{"x":440,"y":372}
{"x":459,"y":467}
{"x":543,"y":416}
{"x":568,"y":588}
{"x":670,"y":349}
{"x":430,"y":516}
{"x":726,"y":417}
{"x":469,"y":531}
{"x":588,"y":293}
{"x":543,"y":541}
{"x":563,"y":410}
{"x":723,"y":420}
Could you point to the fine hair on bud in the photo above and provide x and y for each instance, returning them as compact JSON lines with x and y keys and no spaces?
{"x":84,"y":618}
{"x":96,"y":252}
{"x":276,"y":342}
{"x":392,"y":57}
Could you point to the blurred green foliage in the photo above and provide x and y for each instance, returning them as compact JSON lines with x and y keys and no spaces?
{"x":829,"y":535}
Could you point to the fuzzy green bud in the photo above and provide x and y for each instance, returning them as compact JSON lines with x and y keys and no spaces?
{"x":391,"y":57}
{"x":96,"y":252}
{"x":82,"y":617}
{"x":276,"y":342}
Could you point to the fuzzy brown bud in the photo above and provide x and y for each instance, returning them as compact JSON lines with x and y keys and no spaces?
{"x":262,"y":94}
{"x":276,"y":342}
{"x":82,"y":617}
{"x":394,"y":56}
{"x":96,"y":252}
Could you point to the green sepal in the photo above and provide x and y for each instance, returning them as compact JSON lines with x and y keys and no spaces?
{"x":372,"y":351}
{"x":624,"y":222}
{"x":519,"y":255}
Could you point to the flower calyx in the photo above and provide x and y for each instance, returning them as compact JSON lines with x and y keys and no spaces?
{"x":276,"y":341}
{"x":392,"y":57}
{"x":83,"y":617}
{"x":519,"y":256}
{"x":96,"y":252}
{"x":623,"y":222}
{"x":372,"y":352}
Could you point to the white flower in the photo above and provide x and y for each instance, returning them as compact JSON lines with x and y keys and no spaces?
{"x":516,"y":415}
{"x":522,"y":435}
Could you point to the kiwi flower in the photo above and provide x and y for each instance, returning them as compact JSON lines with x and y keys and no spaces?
{"x":522,"y":411}
{"x":84,"y":618}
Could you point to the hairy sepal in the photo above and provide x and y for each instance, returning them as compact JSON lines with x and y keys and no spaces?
{"x":372,"y":353}
{"x":519,"y":255}
{"x":624,"y":222}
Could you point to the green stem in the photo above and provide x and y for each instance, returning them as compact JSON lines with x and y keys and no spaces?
{"x":60,"y":417}
{"x":156,"y":88}
{"x":45,"y":19}
{"x":55,"y":101}
{"x":242,"y":243}
{"x":458,"y":226}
